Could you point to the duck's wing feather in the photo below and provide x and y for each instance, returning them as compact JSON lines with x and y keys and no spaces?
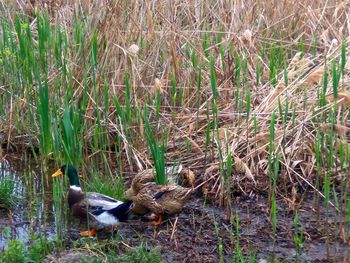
{"x":101,"y":201}
{"x":151,"y":197}
{"x":160,"y":191}
{"x":159,"y":195}
{"x":146,"y":199}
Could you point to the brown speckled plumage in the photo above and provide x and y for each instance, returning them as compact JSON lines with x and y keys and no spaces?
{"x":170,"y":201}
{"x":139,"y":181}
{"x":159,"y":199}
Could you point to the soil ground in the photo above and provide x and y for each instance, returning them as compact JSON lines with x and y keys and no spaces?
{"x":202,"y":230}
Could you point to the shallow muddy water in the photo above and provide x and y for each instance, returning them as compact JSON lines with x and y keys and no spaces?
{"x":32,"y":213}
{"x":197,"y":234}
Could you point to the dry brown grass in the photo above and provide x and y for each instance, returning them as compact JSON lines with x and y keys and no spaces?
{"x":167,"y":27}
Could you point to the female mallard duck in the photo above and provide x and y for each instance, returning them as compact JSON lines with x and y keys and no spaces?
{"x":140,"y":180}
{"x":163,"y":201}
{"x":174,"y":173}
{"x":104,"y":209}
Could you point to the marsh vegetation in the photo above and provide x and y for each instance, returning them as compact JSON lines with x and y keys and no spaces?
{"x":252,"y":96}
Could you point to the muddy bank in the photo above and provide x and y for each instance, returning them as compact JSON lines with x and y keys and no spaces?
{"x":192,"y":237}
{"x":199,"y":234}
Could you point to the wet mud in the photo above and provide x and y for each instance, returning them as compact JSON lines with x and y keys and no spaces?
{"x":201,"y":233}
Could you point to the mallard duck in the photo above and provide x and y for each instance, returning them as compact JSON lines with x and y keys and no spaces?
{"x":159,"y":200}
{"x":162,"y":201}
{"x":140,"y":180}
{"x":174,"y":173}
{"x":103,"y":209}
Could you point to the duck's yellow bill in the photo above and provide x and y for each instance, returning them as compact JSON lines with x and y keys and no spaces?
{"x":57,"y":173}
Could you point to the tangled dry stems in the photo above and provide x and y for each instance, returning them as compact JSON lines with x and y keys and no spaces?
{"x":166,"y":28}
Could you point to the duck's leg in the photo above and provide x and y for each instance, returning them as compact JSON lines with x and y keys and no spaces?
{"x":154,"y":219}
{"x":158,"y":221}
{"x":88,"y":233}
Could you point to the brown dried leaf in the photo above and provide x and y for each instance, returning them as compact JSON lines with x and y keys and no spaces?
{"x":150,"y":22}
{"x":294,"y":198}
{"x":266,"y":74}
{"x":315,"y":77}
{"x":264,"y":137}
{"x":304,"y":63}
{"x":297,"y":67}
{"x":191,"y":128}
{"x":209,"y":187}
{"x":190,"y":176}
{"x":157,"y":86}
{"x":222,"y":134}
{"x":339,"y":129}
{"x":291,"y":75}
{"x":344,"y":144}
{"x":345,"y":97}
{"x":186,"y":178}
{"x":295,"y":60}
{"x":278,"y":90}
{"x":241,"y":167}
{"x":142,"y":128}
{"x":325,"y":37}
{"x":341,"y":5}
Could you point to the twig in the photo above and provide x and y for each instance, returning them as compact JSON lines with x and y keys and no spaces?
{"x":174,"y":229}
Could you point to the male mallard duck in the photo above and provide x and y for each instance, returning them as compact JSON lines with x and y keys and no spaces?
{"x":104,"y":209}
{"x":160,"y":200}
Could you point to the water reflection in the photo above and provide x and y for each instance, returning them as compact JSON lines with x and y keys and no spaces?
{"x":33,"y":211}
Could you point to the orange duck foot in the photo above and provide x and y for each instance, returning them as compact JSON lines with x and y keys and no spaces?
{"x":88,"y":233}
{"x":158,"y":221}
